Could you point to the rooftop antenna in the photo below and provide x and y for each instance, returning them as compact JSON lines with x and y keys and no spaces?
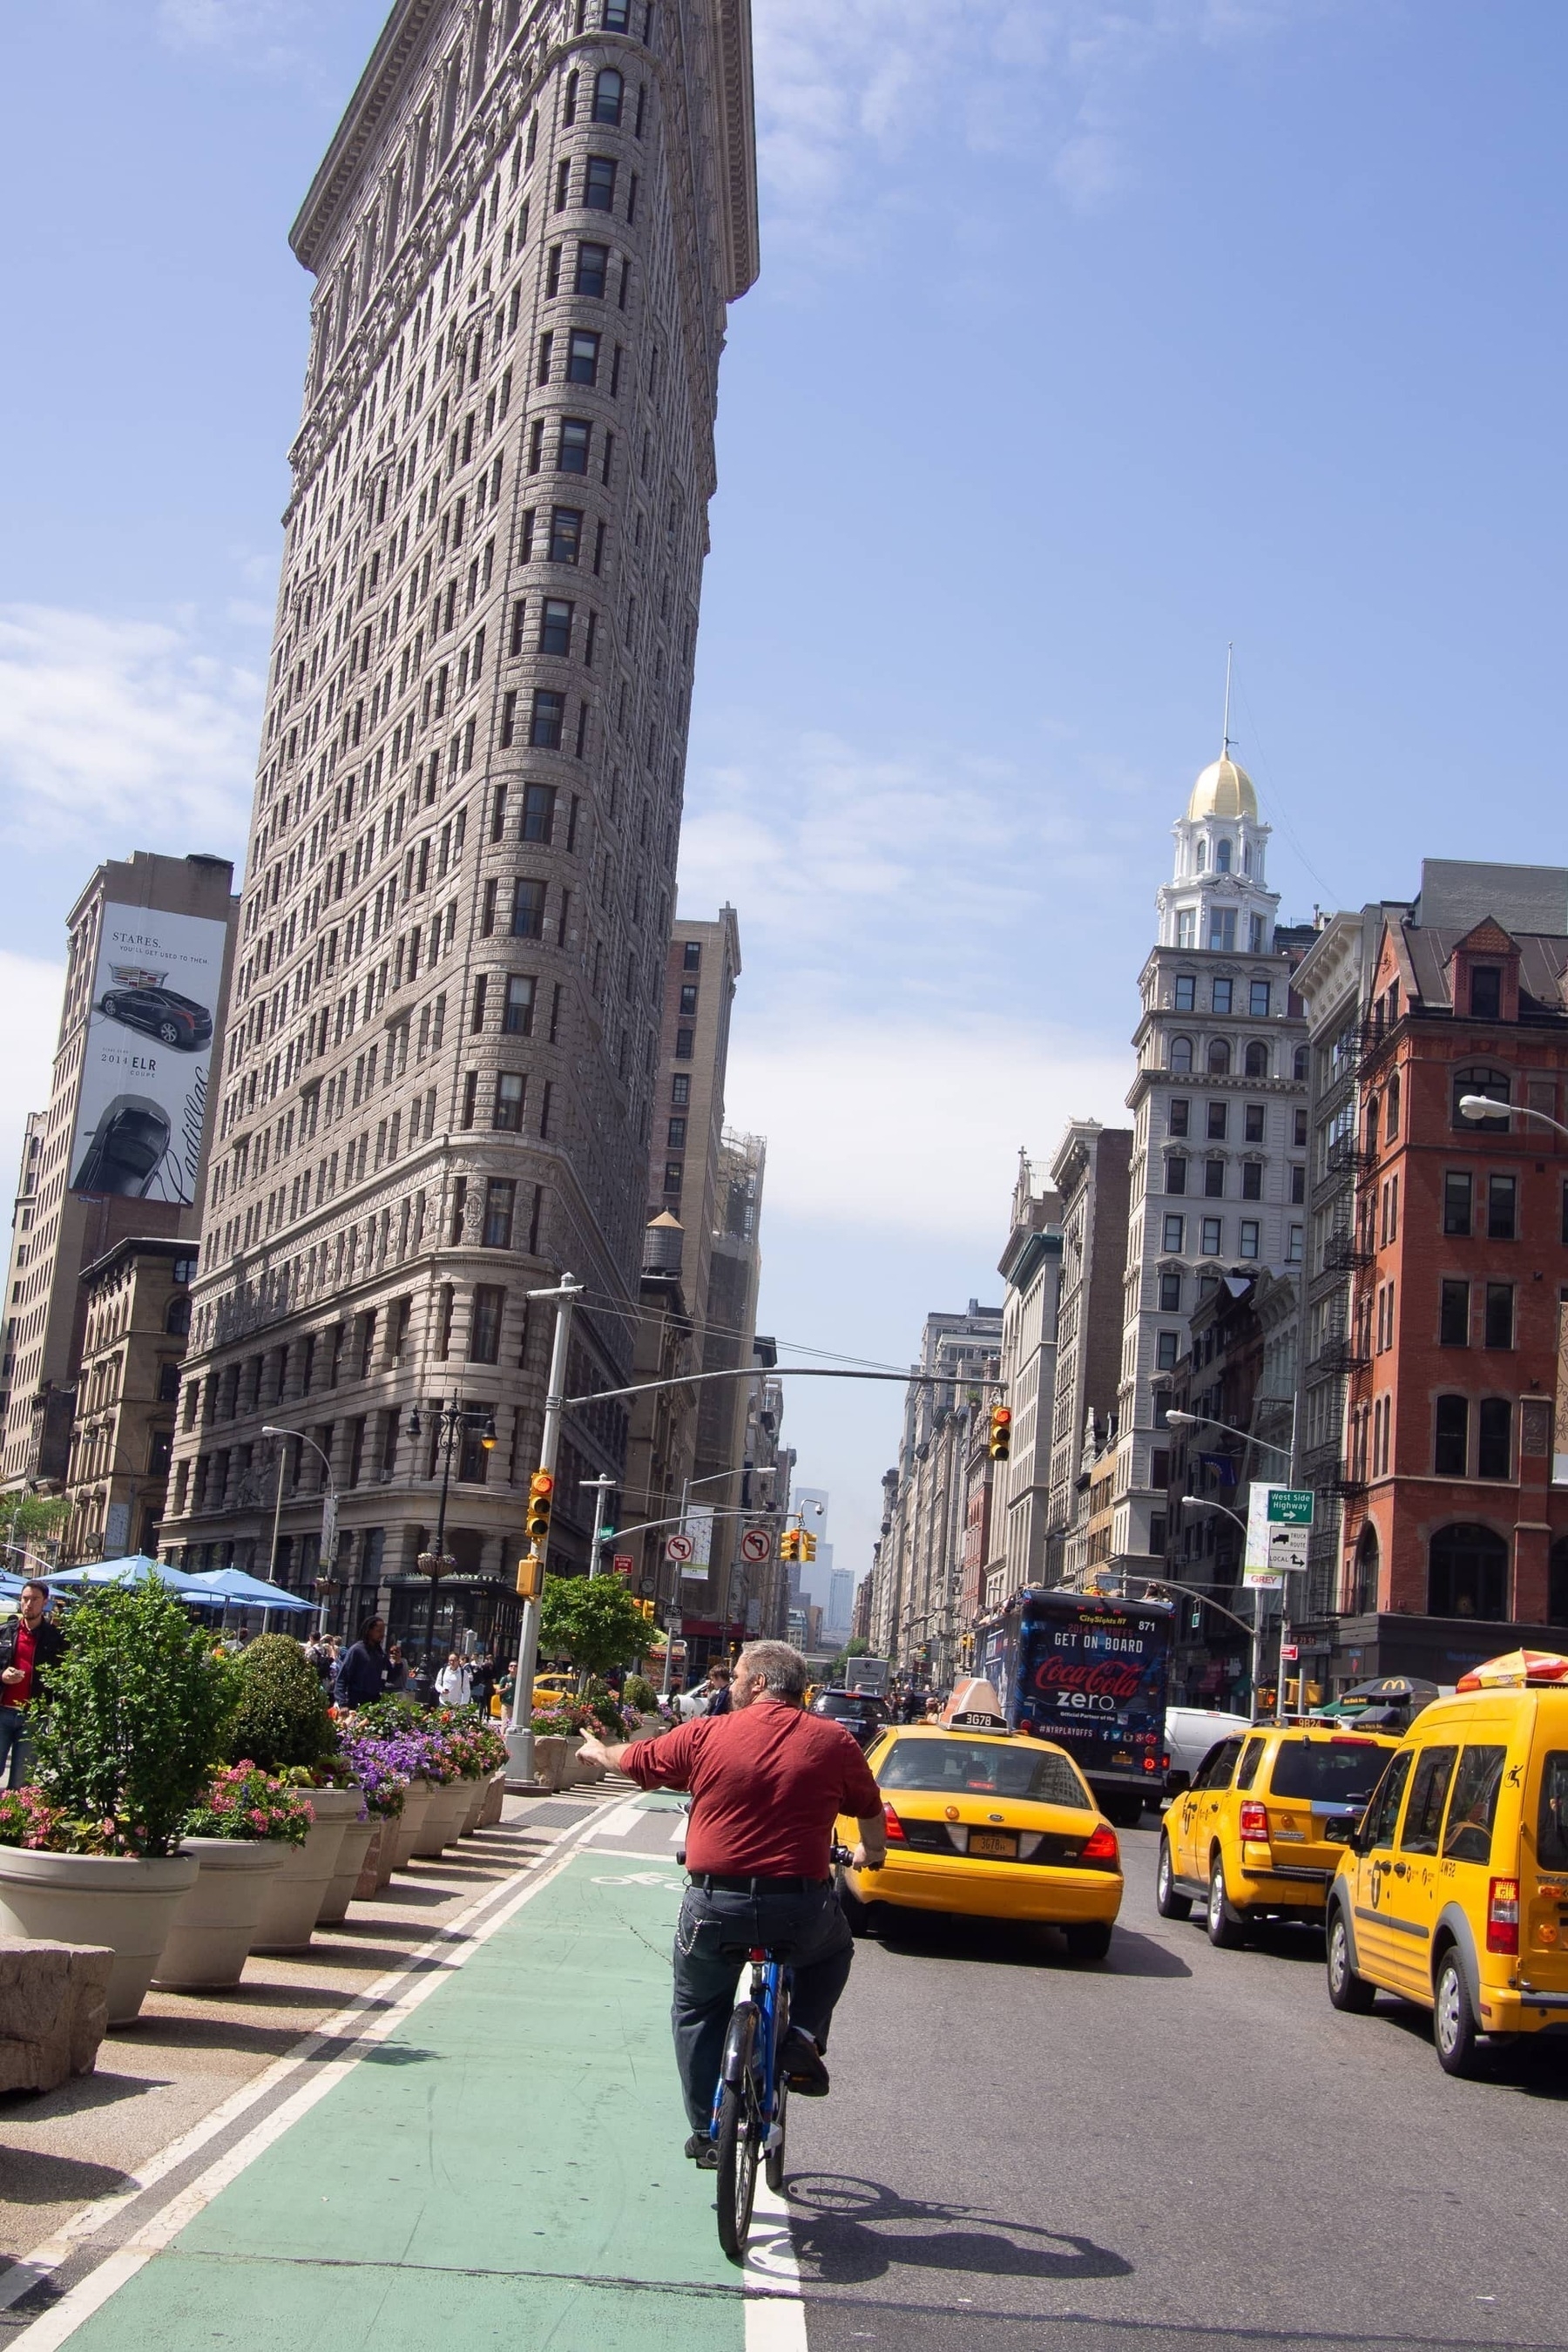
{"x":1225,"y":726}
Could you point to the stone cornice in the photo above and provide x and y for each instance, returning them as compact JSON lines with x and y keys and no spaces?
{"x":372,"y":107}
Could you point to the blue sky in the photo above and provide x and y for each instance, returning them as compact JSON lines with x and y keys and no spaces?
{"x":1086,"y":340}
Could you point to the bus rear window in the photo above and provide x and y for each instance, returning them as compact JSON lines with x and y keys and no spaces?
{"x":1552,"y":1824}
{"x":1328,"y":1771}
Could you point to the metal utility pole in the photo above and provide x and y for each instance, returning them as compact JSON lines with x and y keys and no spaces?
{"x":329,"y":1518}
{"x":520,"y":1728}
{"x":600,"y":1487}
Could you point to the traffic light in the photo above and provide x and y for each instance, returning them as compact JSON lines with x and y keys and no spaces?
{"x":790,"y":1544}
{"x":1001,"y":1432}
{"x":809,"y":1547}
{"x":529,"y":1576}
{"x":541,"y":1490}
{"x":645,"y":1609}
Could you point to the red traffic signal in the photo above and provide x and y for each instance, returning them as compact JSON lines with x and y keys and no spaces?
{"x":1001,"y":1445}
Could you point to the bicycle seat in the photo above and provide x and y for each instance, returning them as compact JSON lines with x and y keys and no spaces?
{"x":749,"y":1951}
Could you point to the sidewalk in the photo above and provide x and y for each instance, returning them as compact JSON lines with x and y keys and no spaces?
{"x":501,"y":2165}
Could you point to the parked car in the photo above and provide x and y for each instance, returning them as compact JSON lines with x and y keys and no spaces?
{"x":173,"y":1020}
{"x":128,"y":1148}
{"x":1190,"y":1732}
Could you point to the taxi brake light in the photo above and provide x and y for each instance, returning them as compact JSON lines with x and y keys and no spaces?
{"x":1254,"y":1820}
{"x":895,"y":1827}
{"x":1502,"y":1915}
{"x":1101,"y":1846}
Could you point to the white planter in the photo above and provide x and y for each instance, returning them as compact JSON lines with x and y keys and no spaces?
{"x":357,"y":1836}
{"x":478,"y":1790}
{"x":443,"y":1819}
{"x":215,"y":1920}
{"x":495,"y":1798}
{"x":411,"y":1819}
{"x":295,"y":1896}
{"x":116,"y":1900}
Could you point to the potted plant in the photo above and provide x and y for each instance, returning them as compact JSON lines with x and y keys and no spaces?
{"x":400,"y":1725}
{"x":283,"y":1724}
{"x":478,"y":1752}
{"x":127,"y":1739}
{"x":385,"y":1790}
{"x":240,"y":1831}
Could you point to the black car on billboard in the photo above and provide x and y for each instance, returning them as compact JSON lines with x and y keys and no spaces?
{"x":129,"y":1145}
{"x":173,"y":1019}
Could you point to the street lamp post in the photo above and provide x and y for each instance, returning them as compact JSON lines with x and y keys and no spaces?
{"x":329,"y":1516}
{"x":1479,"y":1107}
{"x":1202,"y":1503}
{"x":447,"y":1421}
{"x":1198,"y":1420}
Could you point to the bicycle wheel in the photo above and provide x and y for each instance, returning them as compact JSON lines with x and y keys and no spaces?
{"x":773,"y":2166}
{"x":736,"y":2181}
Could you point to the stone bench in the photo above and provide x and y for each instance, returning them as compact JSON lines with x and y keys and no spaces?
{"x":53,"y":2011}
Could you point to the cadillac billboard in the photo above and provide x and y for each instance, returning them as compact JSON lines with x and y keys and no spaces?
{"x":148,"y":1055}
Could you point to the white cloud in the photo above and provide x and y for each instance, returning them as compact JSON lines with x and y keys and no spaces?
{"x":30,"y":990}
{"x":913,"y":1129}
{"x":841,"y":88}
{"x":110,"y":727}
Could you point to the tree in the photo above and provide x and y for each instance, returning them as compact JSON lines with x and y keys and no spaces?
{"x":593,"y":1621}
{"x":857,"y":1647}
{"x":31,"y":1521}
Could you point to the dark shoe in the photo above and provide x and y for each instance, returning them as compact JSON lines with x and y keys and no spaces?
{"x":802,"y":2068}
{"x":702,"y":2152}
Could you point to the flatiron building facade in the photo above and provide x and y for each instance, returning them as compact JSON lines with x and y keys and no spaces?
{"x":438,"y":1076}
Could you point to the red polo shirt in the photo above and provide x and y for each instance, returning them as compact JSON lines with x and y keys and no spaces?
{"x":19,"y":1693}
{"x":767,"y":1783}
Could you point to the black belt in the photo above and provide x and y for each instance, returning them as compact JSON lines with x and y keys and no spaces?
{"x":711,"y":1880}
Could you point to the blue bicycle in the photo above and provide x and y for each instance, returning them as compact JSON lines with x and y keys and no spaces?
{"x":751,"y":2105}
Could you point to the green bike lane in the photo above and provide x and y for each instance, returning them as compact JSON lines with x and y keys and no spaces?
{"x":505,"y":2167}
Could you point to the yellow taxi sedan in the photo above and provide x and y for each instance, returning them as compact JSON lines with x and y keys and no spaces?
{"x":991,"y":1824}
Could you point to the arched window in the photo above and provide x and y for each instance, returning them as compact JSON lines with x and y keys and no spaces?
{"x":1202,"y":856}
{"x":1393,"y":1106}
{"x":1479,"y":1080}
{"x":608,"y":90}
{"x":1218,"y":1056}
{"x":1372,"y":1125}
{"x":1466,"y":1574}
{"x":1300,"y":1065}
{"x":178,"y":1319}
{"x":1257,"y":1065}
{"x":1557,"y":1583}
{"x":1181,"y":1053}
{"x":1222,"y":857}
{"x":1363,"y":1595}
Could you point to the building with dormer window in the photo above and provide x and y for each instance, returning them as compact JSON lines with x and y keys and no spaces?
{"x":1218,"y":1169}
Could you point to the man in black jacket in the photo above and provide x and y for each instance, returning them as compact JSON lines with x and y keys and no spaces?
{"x":30,"y":1645}
{"x":362,"y":1676}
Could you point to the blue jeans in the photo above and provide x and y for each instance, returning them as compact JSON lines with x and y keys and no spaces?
{"x":710,"y":1940}
{"x":16,"y":1748}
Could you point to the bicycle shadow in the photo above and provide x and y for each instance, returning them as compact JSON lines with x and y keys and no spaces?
{"x":847,"y":2231}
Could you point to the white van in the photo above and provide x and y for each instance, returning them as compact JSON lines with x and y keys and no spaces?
{"x":1190,"y":1732}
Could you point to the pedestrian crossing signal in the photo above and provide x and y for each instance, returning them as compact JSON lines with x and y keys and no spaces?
{"x":529,"y":1576}
{"x":1001,"y":1445}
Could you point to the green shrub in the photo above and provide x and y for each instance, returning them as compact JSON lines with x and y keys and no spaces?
{"x":136,"y":1719}
{"x":282,"y":1717}
{"x":639,"y":1692}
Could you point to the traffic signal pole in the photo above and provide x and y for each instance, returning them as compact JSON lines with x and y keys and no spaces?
{"x":520,"y":1729}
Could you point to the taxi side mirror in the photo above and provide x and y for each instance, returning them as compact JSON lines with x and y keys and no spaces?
{"x":1356,"y":1841}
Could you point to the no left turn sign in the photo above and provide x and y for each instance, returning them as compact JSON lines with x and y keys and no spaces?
{"x":756,"y":1545}
{"x":679,"y":1546}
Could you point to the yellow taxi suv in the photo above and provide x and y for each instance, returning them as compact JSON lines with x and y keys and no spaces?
{"x":1453,"y":1890}
{"x":1259,"y":1834}
{"x":549,"y":1690}
{"x":988,"y":1823}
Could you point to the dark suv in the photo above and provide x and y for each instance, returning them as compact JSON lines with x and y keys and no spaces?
{"x":861,"y":1712}
{"x":173,"y":1020}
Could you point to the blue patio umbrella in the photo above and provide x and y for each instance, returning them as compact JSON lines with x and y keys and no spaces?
{"x":134,"y":1568}
{"x":226,"y":1584}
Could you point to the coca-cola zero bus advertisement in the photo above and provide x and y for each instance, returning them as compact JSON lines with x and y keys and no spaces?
{"x":1089,"y":1673}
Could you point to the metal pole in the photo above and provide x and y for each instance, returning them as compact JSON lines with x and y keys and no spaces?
{"x":1284,"y":1609}
{"x":520,"y":1729}
{"x":601,"y":1487}
{"x":277,"y":1515}
{"x":448,"y":1418}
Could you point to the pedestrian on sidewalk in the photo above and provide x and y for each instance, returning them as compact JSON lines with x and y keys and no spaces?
{"x":30,"y":1645}
{"x":482,"y":1682}
{"x":767,"y":1783}
{"x":362,"y":1677}
{"x":397,"y":1666}
{"x":452,"y":1683}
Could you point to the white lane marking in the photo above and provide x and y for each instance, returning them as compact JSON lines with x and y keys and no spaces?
{"x":775,"y":2308}
{"x":57,"y":2325}
{"x":678,"y":1835}
{"x":619,"y":1822}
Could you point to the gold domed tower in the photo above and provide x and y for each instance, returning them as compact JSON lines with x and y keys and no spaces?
{"x":1215,"y":897}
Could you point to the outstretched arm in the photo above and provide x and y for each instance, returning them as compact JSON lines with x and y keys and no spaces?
{"x":596,"y":1751}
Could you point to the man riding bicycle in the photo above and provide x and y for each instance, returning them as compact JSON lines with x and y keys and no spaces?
{"x":767,"y":1782}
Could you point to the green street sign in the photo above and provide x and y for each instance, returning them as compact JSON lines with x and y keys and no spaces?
{"x":1291,"y":1506}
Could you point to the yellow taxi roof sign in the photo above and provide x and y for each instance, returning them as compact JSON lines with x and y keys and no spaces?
{"x":974,"y":1707}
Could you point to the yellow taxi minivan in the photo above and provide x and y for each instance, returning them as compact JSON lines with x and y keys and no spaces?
{"x":1259,"y":1834}
{"x":1453,"y":1890}
{"x":989,"y":1823}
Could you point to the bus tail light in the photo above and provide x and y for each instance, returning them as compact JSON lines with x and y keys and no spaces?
{"x":1502,"y":1915}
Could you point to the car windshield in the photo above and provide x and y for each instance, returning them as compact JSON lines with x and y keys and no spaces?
{"x":986,"y":1767}
{"x":1328,"y":1771}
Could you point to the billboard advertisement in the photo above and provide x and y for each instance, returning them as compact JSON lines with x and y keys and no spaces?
{"x":148,"y":1055}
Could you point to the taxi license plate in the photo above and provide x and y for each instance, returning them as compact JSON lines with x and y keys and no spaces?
{"x":1003,"y":1847}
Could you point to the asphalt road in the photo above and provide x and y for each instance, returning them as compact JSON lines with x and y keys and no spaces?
{"x":1182,"y":2147}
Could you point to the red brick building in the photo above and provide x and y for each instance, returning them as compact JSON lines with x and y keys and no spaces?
{"x":1452,"y":1524}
